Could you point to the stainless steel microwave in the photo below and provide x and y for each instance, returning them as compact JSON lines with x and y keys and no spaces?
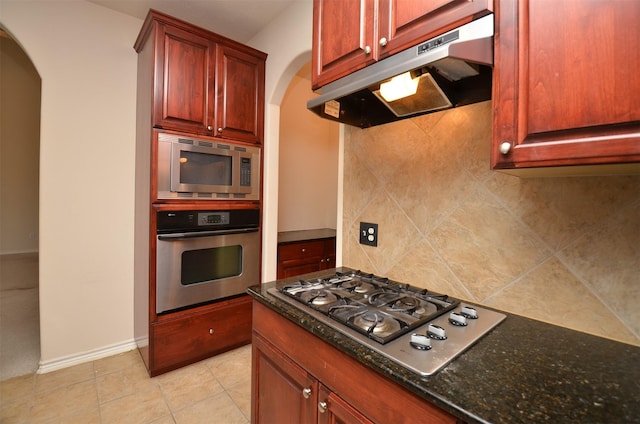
{"x":193,"y":168}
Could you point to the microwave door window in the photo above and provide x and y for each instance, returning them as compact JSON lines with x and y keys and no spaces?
{"x":203,"y":169}
{"x":211,"y":264}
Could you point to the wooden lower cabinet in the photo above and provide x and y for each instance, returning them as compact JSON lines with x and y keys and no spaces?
{"x":303,"y":257}
{"x":298,"y":378}
{"x":193,"y":335}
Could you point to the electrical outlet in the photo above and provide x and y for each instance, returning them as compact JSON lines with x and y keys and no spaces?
{"x":368,"y":234}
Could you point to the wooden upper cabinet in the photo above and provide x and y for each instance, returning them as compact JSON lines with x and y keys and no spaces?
{"x":239,"y":95}
{"x":203,"y":83}
{"x":566,"y":84}
{"x":343,"y":37}
{"x":185,"y":75}
{"x":349,"y":35}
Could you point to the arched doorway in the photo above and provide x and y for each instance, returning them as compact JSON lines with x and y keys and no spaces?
{"x":20,"y":99}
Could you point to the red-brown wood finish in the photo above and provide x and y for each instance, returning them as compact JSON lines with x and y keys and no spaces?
{"x":184,"y":338}
{"x":565,"y":83}
{"x":204,"y":84}
{"x":373,"y":396}
{"x":334,"y":410}
{"x":185,"y":74}
{"x":239,"y":95}
{"x":349,"y":35}
{"x":306,"y":256}
{"x":287,"y":393}
{"x":190,"y":82}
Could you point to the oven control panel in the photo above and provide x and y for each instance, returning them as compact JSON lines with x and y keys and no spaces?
{"x":213,"y":218}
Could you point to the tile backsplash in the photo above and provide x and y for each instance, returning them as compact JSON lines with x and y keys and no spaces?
{"x":561,"y":250}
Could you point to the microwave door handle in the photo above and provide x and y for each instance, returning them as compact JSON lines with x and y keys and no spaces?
{"x":182,"y":236}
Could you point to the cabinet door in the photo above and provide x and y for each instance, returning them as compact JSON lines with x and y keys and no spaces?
{"x":565,"y":83}
{"x":282,"y":391}
{"x":300,"y":258}
{"x":184,"y":79}
{"x":239,"y":95}
{"x":404,"y":23}
{"x":343,"y":38}
{"x":334,"y":410}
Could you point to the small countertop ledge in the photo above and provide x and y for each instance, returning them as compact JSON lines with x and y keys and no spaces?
{"x":302,"y":235}
{"x":523,"y":371}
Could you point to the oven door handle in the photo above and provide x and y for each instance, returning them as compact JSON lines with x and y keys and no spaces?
{"x":182,"y":236}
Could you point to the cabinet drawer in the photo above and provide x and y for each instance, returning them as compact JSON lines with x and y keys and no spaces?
{"x":301,"y":250}
{"x":190,"y":338}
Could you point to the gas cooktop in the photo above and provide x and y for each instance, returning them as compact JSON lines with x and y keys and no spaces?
{"x":417,"y":328}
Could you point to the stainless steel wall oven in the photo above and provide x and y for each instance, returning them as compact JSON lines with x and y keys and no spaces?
{"x":205,"y":255}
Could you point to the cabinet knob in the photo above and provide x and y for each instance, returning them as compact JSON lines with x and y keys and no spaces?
{"x":211,"y":331}
{"x":328,"y":259}
{"x":306,"y":392}
{"x":220,"y":129}
{"x":505,"y":147}
{"x":209,"y":128}
{"x":367,"y":50}
{"x":304,"y":250}
{"x":322,"y":407}
{"x":383,"y":42}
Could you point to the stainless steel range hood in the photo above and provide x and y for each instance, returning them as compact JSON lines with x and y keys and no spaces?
{"x":454,"y":69}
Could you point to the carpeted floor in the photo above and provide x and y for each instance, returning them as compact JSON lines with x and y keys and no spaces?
{"x":19,"y":315}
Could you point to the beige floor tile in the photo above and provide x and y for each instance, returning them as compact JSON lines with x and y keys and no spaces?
{"x":219,"y":409}
{"x":241,"y":396}
{"x":117,"y":362}
{"x":64,"y":377}
{"x":16,"y":387}
{"x":123,"y":382}
{"x":15,"y":410}
{"x":64,"y":402}
{"x":232,"y":367}
{"x":189,"y":385}
{"x":141,"y":407}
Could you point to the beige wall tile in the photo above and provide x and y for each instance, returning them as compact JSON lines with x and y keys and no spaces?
{"x":482,"y":235}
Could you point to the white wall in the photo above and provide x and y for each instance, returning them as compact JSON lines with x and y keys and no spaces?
{"x":19,"y":150}
{"x":308,"y":171}
{"x":287,"y":40}
{"x":84,"y":55}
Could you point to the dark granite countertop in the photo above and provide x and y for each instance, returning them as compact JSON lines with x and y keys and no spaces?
{"x":524,"y":371}
{"x":301,"y":235}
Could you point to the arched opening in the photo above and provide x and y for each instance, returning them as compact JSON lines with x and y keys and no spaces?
{"x":20,"y":100}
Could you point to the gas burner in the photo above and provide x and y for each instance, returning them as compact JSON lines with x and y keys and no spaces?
{"x":409,"y":305}
{"x":356,"y":286}
{"x":381,"y":298}
{"x":373,"y":322}
{"x":318,"y":297}
{"x":360,"y":300}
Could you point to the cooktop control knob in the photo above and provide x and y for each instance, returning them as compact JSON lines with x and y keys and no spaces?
{"x":436,"y":332}
{"x":469,"y":312}
{"x":457,"y":319}
{"x":420,"y":341}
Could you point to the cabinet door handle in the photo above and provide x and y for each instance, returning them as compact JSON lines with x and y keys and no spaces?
{"x":505,"y":147}
{"x":367,"y":50}
{"x":209,"y":128}
{"x":306,"y":392}
{"x":220,"y":129}
{"x":304,"y":250}
{"x":322,"y":407}
{"x":211,"y":331}
{"x":383,"y":42}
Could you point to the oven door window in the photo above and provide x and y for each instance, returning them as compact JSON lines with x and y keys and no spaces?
{"x":210,"y":264}
{"x":205,"y":168}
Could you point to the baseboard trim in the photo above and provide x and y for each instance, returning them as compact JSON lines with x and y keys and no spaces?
{"x":80,"y":358}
